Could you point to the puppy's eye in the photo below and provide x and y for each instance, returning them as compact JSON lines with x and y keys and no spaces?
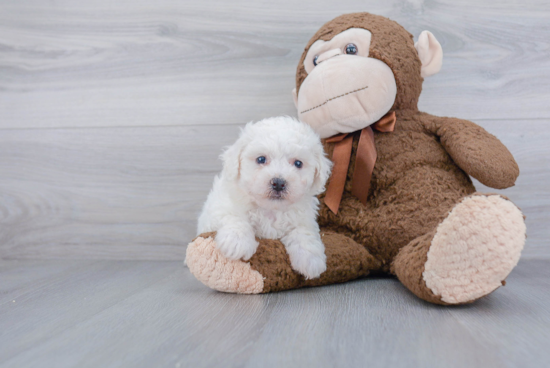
{"x":298,"y":164}
{"x":351,"y":49}
{"x":315,"y":60}
{"x":260,"y":160}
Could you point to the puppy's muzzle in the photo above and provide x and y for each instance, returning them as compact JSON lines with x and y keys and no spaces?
{"x":278,"y":184}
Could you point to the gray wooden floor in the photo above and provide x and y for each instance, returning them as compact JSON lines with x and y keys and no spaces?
{"x":112,"y":116}
{"x":155,"y":314}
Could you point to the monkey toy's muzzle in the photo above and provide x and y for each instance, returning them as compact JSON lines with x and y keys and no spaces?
{"x":346,"y":93}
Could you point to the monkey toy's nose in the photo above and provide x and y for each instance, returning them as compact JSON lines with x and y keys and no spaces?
{"x":327,"y":55}
{"x":278,"y":184}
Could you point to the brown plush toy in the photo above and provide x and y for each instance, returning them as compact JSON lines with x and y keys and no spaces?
{"x":400,"y":199}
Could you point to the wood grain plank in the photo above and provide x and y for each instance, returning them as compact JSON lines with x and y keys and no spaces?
{"x":496,"y":321}
{"x":19,"y":275}
{"x":120,"y":63}
{"x":135,"y":193}
{"x":55,"y":303}
{"x":73,"y":193}
{"x":144,"y":314}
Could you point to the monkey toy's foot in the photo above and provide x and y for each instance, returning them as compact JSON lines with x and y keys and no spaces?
{"x":270,"y":270}
{"x":468,"y":256}
{"x":210,"y":267}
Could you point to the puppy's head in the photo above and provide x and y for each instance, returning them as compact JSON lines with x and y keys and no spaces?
{"x":277,"y":161}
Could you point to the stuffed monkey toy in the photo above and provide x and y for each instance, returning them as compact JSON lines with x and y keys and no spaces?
{"x":400,"y":199}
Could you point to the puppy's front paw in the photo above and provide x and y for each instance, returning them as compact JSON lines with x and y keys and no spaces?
{"x":309,"y":264}
{"x":236,"y":244}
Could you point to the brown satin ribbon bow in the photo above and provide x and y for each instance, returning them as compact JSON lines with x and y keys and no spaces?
{"x":365,"y":159}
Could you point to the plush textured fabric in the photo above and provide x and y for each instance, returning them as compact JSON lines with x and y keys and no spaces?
{"x":358,"y":36}
{"x":408,"y":266}
{"x":217,"y":272}
{"x":319,"y":101}
{"x":390,"y":43}
{"x":466,"y":260}
{"x":417,"y":222}
{"x":416,"y":182}
{"x":430,"y":52}
{"x":346,"y":260}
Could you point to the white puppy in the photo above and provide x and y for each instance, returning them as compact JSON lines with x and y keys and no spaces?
{"x":267,"y":189}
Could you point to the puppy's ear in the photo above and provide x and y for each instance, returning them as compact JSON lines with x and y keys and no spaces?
{"x":323,"y":167}
{"x":231,"y":157}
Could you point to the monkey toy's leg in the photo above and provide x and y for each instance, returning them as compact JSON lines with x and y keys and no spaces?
{"x":269,"y":269}
{"x":465,"y":256}
{"x":468,"y":255}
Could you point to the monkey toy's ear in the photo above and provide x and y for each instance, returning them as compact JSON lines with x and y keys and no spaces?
{"x":295,"y":97}
{"x":430,"y":53}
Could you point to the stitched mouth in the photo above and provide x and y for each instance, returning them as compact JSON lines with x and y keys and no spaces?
{"x":334,"y":98}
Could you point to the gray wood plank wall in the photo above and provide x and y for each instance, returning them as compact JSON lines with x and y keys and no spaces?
{"x":113,"y":113}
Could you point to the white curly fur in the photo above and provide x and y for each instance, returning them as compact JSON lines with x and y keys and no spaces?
{"x":242,"y":205}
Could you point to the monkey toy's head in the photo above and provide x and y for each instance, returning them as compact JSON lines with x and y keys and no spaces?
{"x":357,"y":68}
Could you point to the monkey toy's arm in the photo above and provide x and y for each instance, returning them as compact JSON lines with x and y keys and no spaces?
{"x":477,"y":152}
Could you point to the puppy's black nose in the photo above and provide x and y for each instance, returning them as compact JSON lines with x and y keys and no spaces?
{"x":278,"y":184}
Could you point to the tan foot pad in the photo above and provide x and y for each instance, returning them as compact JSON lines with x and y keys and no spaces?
{"x":211,"y":268}
{"x":474,"y":249}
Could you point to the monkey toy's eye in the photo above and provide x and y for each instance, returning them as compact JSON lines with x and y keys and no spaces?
{"x":351,"y":49}
{"x":298,"y":164}
{"x":261,"y":160}
{"x":315,"y":60}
